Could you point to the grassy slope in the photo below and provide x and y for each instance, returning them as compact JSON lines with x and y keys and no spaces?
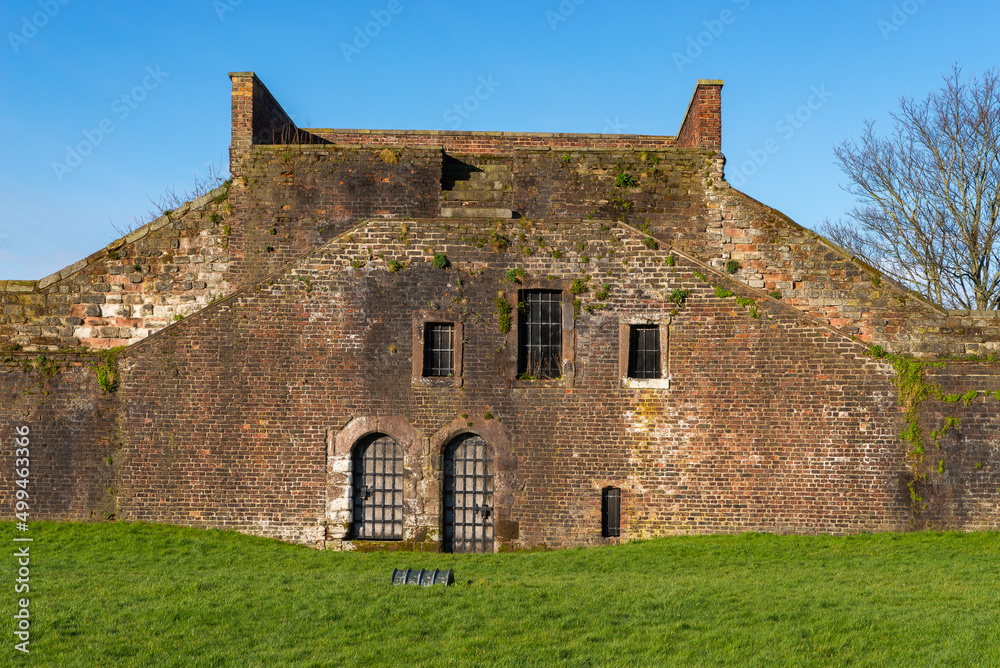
{"x":120,"y":594}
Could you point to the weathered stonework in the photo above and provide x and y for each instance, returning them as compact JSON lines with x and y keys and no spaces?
{"x":305,"y":288}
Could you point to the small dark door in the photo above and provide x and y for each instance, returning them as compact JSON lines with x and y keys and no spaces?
{"x":468,"y":495}
{"x":378,"y":489}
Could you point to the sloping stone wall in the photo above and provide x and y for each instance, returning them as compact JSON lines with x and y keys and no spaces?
{"x":137,"y":285}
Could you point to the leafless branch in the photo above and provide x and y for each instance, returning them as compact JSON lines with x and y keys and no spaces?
{"x":928,"y":194}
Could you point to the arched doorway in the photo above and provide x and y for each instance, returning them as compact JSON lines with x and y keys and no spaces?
{"x":468,"y":495}
{"x":377,"y":489}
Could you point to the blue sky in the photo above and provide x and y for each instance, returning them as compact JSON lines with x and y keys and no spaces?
{"x":145,"y":86}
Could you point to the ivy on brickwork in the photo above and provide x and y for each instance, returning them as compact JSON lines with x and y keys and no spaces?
{"x":913,"y":391}
{"x":107,"y":369}
{"x":504,"y":309}
{"x":44,"y":366}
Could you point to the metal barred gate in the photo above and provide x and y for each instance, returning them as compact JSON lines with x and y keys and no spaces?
{"x":377,"y":489}
{"x":468,"y":495}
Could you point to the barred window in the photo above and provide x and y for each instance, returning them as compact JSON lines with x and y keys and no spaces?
{"x":644,"y":351}
{"x":540,"y":334}
{"x":439,"y":349}
{"x":611,"y":511}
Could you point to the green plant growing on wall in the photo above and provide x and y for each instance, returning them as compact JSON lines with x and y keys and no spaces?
{"x":721,"y":292}
{"x":566,"y":158}
{"x":556,"y":254}
{"x":732,"y":266}
{"x":913,"y":391}
{"x":393,"y":266}
{"x":774,"y":294}
{"x":671,"y":260}
{"x":269,"y":249}
{"x":515,"y":275}
{"x":678,"y":297}
{"x":579,"y":287}
{"x":603,"y":292}
{"x":358,"y":263}
{"x":504,"y":309}
{"x":107,"y":370}
{"x":700,"y":276}
{"x":215,"y":217}
{"x":390,"y":155}
{"x":273,"y":231}
{"x":227,"y":230}
{"x":114,"y":255}
{"x":625,"y":180}
{"x":620,"y":203}
{"x":46,"y":367}
{"x":650,"y":243}
{"x":440,"y":260}
{"x":500,"y":242}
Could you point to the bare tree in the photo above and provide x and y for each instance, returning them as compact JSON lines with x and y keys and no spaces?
{"x":928,"y":211}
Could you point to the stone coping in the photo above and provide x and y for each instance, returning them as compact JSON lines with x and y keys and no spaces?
{"x":506,"y":151}
{"x":485,"y":133}
{"x":131,"y":237}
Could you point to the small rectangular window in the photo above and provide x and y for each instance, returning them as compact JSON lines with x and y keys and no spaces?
{"x":644,"y":351}
{"x":540,"y":334}
{"x":439,"y":349}
{"x":611,"y":512}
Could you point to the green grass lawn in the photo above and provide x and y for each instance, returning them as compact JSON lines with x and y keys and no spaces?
{"x":147,"y":595}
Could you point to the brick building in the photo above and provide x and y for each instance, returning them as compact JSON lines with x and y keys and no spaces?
{"x":475,"y":341}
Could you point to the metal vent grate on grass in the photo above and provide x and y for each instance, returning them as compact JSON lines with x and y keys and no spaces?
{"x":424,"y":578}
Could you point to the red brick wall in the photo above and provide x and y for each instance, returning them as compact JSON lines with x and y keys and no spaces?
{"x":770,"y":424}
{"x":702,"y":126}
{"x":73,"y":438}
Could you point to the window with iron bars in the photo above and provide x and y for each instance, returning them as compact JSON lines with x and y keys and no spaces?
{"x":439,"y":349}
{"x":539,"y":352}
{"x":611,"y":512}
{"x":644,"y":351}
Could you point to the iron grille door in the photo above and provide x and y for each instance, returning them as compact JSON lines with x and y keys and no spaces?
{"x":540,"y":334}
{"x":468,"y":495}
{"x":378,"y":489}
{"x":644,"y":351}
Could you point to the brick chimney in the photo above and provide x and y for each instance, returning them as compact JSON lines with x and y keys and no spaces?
{"x":702,"y":126}
{"x":257,"y":117}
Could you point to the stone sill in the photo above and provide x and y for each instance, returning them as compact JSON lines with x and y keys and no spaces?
{"x":566,"y":381}
{"x":646,"y":383}
{"x":431,"y":381}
